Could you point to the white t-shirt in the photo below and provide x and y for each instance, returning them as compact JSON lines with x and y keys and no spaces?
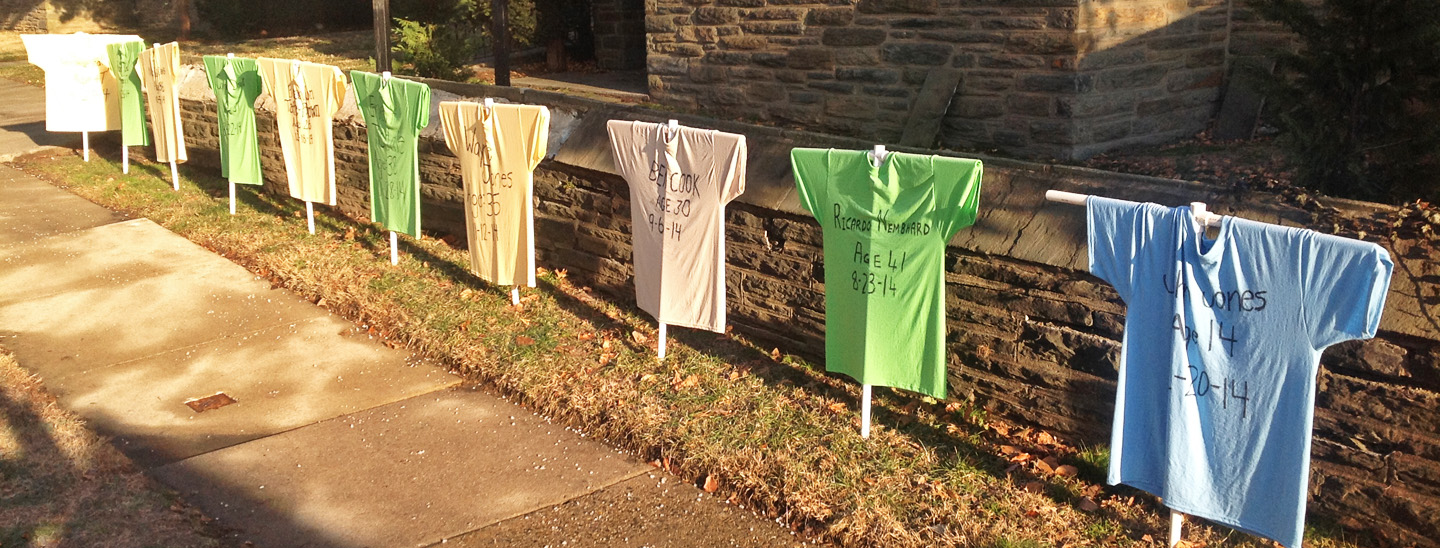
{"x":81,"y":94}
{"x":680,"y":181}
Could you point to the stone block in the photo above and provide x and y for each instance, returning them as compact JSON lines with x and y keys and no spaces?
{"x":805,"y":97}
{"x":830,"y":16}
{"x":1009,"y":61}
{"x":680,"y":49}
{"x":769,"y":93}
{"x":839,"y":88}
{"x":852,"y":36}
{"x":1030,"y":105}
{"x":777,"y":14}
{"x":1057,"y":83}
{"x":916,"y":53}
{"x":1042,"y":43}
{"x":768,"y":59}
{"x":659,"y":24}
{"x":667,"y":66}
{"x":744,"y":42}
{"x":1180,"y":81}
{"x":898,"y":6}
{"x":1058,"y":132}
{"x":867,"y":75}
{"x":772,"y":27}
{"x":886,"y":91}
{"x":707,"y":74}
{"x":857,"y":57}
{"x":715,"y":16}
{"x":811,"y":58}
{"x":1144,"y":76}
{"x":979,"y":108}
{"x":1013,"y":23}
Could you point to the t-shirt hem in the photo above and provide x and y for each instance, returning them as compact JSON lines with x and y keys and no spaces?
{"x":1227,"y":521}
{"x":691,"y":325}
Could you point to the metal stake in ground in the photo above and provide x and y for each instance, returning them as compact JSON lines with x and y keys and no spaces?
{"x":500,"y":30}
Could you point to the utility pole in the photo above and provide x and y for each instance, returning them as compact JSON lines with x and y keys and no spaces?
{"x":500,"y":31}
{"x":382,"y":34}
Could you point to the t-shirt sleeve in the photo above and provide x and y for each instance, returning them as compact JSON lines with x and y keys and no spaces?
{"x":363,"y":90}
{"x":812,"y":177}
{"x":338,"y":90}
{"x":623,"y":146}
{"x":539,"y":137}
{"x":266,"y":69}
{"x":1345,"y":283}
{"x":451,"y":126}
{"x":213,"y":66}
{"x":735,"y":163}
{"x":1116,"y":232}
{"x":248,"y":75}
{"x":420,"y":103}
{"x":957,"y":192}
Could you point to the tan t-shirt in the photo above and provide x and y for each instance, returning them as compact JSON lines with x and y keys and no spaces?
{"x":307,"y":95}
{"x":680,"y":181}
{"x":159,"y":69}
{"x":81,"y":94}
{"x":498,"y":150}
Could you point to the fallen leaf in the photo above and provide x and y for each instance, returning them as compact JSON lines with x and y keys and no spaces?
{"x":638,"y":337}
{"x":350,"y":233}
{"x":561,"y":273}
{"x":465,"y":326}
{"x":775,"y":354}
{"x":523,"y":340}
{"x":587,"y":336}
{"x":838,"y":408}
{"x":1066,"y":470}
{"x":1044,"y":467}
{"x":688,"y":382}
{"x":466,"y":294}
{"x":1087,"y":505}
{"x":712,"y":483}
{"x":1034,"y":487}
{"x":1009,"y":449}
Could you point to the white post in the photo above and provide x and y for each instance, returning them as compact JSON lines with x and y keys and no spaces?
{"x":515,"y":296}
{"x":878,"y":155}
{"x":660,"y":355}
{"x":394,"y":249}
{"x":85,"y":143}
{"x":310,"y":215}
{"x":673,"y":124}
{"x":232,"y":197}
{"x":174,"y":175}
{"x":1176,"y":520}
{"x":865,"y":411}
{"x":124,"y":159}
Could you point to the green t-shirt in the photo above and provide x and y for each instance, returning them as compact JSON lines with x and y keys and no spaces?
{"x":123,"y":56}
{"x":395,"y":111}
{"x":236,"y":83}
{"x":885,"y":231}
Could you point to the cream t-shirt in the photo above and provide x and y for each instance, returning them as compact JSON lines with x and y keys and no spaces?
{"x":680,"y":181}
{"x":306,"y":95}
{"x":159,"y":69}
{"x":81,"y":94}
{"x":498,"y":150}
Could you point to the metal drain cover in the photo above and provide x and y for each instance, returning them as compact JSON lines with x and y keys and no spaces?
{"x":201,"y":405}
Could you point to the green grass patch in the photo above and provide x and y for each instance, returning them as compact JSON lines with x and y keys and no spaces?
{"x":780,"y":435}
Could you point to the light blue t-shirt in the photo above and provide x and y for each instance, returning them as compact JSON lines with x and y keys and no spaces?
{"x":1222,"y":347}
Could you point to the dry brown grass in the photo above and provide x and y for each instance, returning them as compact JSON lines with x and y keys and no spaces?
{"x":778,"y":433}
{"x":62,"y":485}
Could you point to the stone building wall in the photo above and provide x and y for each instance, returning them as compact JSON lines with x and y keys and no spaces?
{"x":1033,"y":337}
{"x":619,"y":34}
{"x":1050,"y":78}
{"x":23,"y":15}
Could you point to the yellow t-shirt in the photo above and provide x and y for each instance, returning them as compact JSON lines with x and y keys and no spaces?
{"x":307,"y":95}
{"x":81,"y":94}
{"x":498,"y":150}
{"x":159,"y":69}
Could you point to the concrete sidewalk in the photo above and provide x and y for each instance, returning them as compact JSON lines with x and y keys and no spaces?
{"x":332,"y":439}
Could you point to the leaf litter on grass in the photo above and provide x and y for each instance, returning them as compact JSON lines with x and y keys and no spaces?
{"x":780,"y":432}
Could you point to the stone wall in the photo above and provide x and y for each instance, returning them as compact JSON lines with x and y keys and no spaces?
{"x":23,"y":15}
{"x":1033,"y":337}
{"x":619,"y":34}
{"x":1050,"y":78}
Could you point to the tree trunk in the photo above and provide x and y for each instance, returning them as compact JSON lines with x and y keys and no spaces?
{"x":182,"y":8}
